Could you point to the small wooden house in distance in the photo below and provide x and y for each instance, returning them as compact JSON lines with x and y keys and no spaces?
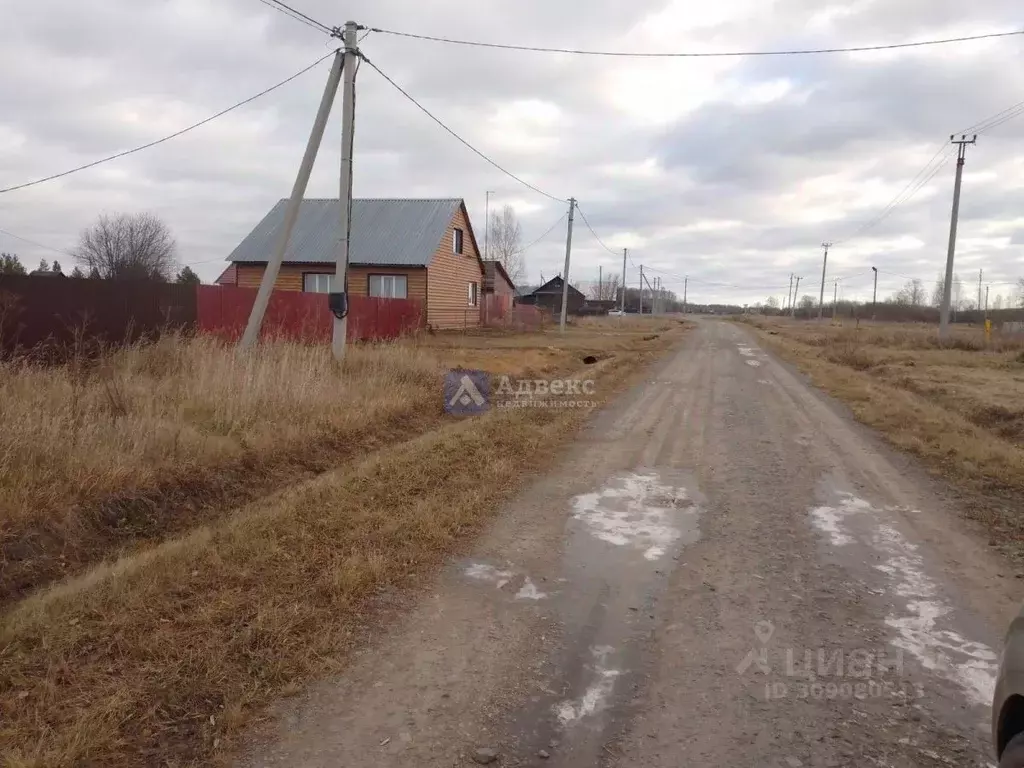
{"x":549,"y":297}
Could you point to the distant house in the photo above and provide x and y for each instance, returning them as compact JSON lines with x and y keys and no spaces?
{"x":497,"y":281}
{"x":549,"y":297}
{"x":416,"y":249}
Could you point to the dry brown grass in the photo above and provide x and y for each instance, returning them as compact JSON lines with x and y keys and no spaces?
{"x":956,"y":405}
{"x":161,"y":657}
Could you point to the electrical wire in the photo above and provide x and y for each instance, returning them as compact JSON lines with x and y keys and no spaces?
{"x":587,"y":223}
{"x":465,"y":143}
{"x":174,"y":135}
{"x":290,"y":15}
{"x":548,"y":232}
{"x":35,"y":243}
{"x":287,"y":10}
{"x":984,"y":124}
{"x":668,"y":55}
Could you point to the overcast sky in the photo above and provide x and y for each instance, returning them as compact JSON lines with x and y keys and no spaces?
{"x":731,"y":170}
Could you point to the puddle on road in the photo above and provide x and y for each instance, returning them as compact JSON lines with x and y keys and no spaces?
{"x":641,"y":512}
{"x":746,"y":351}
{"x":621,"y":542}
{"x":753,"y":363}
{"x":923,"y":618}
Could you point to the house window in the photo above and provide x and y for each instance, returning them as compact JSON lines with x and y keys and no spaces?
{"x":457,"y":241}
{"x":389,"y":286}
{"x":471,"y":290}
{"x":318,"y":282}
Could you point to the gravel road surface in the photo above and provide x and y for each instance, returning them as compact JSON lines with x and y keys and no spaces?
{"x":722,"y":570}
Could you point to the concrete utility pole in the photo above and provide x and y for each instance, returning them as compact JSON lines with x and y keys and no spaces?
{"x":623,"y":281}
{"x":980,"y":273}
{"x":565,"y":272}
{"x":686,"y":282}
{"x":824,"y":263}
{"x":641,"y":289}
{"x":947,"y":289}
{"x":487,"y":224}
{"x":789,"y":295}
{"x":874,"y":292}
{"x":986,"y":302}
{"x":348,"y":116}
{"x":291,"y":211}
{"x":600,"y":283}
{"x":835,"y":298}
{"x":796,"y":292}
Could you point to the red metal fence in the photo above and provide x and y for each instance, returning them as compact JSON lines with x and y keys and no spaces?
{"x":55,"y":316}
{"x":224,"y":311}
{"x":51,"y":316}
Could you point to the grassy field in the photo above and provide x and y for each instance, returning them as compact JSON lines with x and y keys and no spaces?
{"x":189,"y":533}
{"x":956,"y":405}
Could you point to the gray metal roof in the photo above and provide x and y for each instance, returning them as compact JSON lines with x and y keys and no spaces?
{"x":394,"y":232}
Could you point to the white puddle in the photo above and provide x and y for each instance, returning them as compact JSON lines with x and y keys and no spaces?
{"x":529,"y":591}
{"x":746,"y":351}
{"x":597,"y":693}
{"x":485,"y":572}
{"x":971,"y":665}
{"x":637,"y":511}
{"x":499,"y":578}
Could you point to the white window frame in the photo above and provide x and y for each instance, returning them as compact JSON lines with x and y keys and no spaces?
{"x":388,"y":286}
{"x":473,"y":293}
{"x":322,"y":282}
{"x":458,"y":241}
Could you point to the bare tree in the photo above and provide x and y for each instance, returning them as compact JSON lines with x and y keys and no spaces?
{"x":135,"y":246}
{"x":997,"y":302}
{"x":506,"y":243}
{"x":606,"y":290}
{"x":912,"y":293}
{"x":1020,"y":292}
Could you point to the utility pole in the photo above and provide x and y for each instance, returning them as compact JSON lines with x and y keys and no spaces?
{"x":623,"y":308}
{"x":338,"y":297}
{"x":980,"y":273}
{"x":657,"y":295}
{"x":947,"y":289}
{"x":792,"y":308}
{"x":835,"y":299}
{"x":565,"y":272}
{"x":641,"y":289}
{"x":291,"y":211}
{"x":487,"y":224}
{"x":986,"y":302}
{"x":824,"y":263}
{"x":600,"y":283}
{"x":789,"y":295}
{"x":686,"y":282}
{"x":874,"y":293}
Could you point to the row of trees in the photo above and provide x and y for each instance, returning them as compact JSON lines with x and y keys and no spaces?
{"x":914,"y":293}
{"x":136,"y":246}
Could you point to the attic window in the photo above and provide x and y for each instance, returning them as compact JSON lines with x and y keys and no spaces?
{"x":457,"y":241}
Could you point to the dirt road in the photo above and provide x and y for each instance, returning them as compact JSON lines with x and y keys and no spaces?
{"x":723,"y":570}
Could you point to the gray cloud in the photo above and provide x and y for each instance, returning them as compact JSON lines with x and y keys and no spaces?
{"x":712,"y":169}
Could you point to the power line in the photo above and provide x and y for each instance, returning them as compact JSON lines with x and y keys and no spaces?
{"x":583,"y":216}
{"x":984,"y":124}
{"x":35,"y":243}
{"x":287,"y":10}
{"x":548,"y":232}
{"x":465,"y":143}
{"x":312,"y":24}
{"x":171,"y":136}
{"x":668,"y":55}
